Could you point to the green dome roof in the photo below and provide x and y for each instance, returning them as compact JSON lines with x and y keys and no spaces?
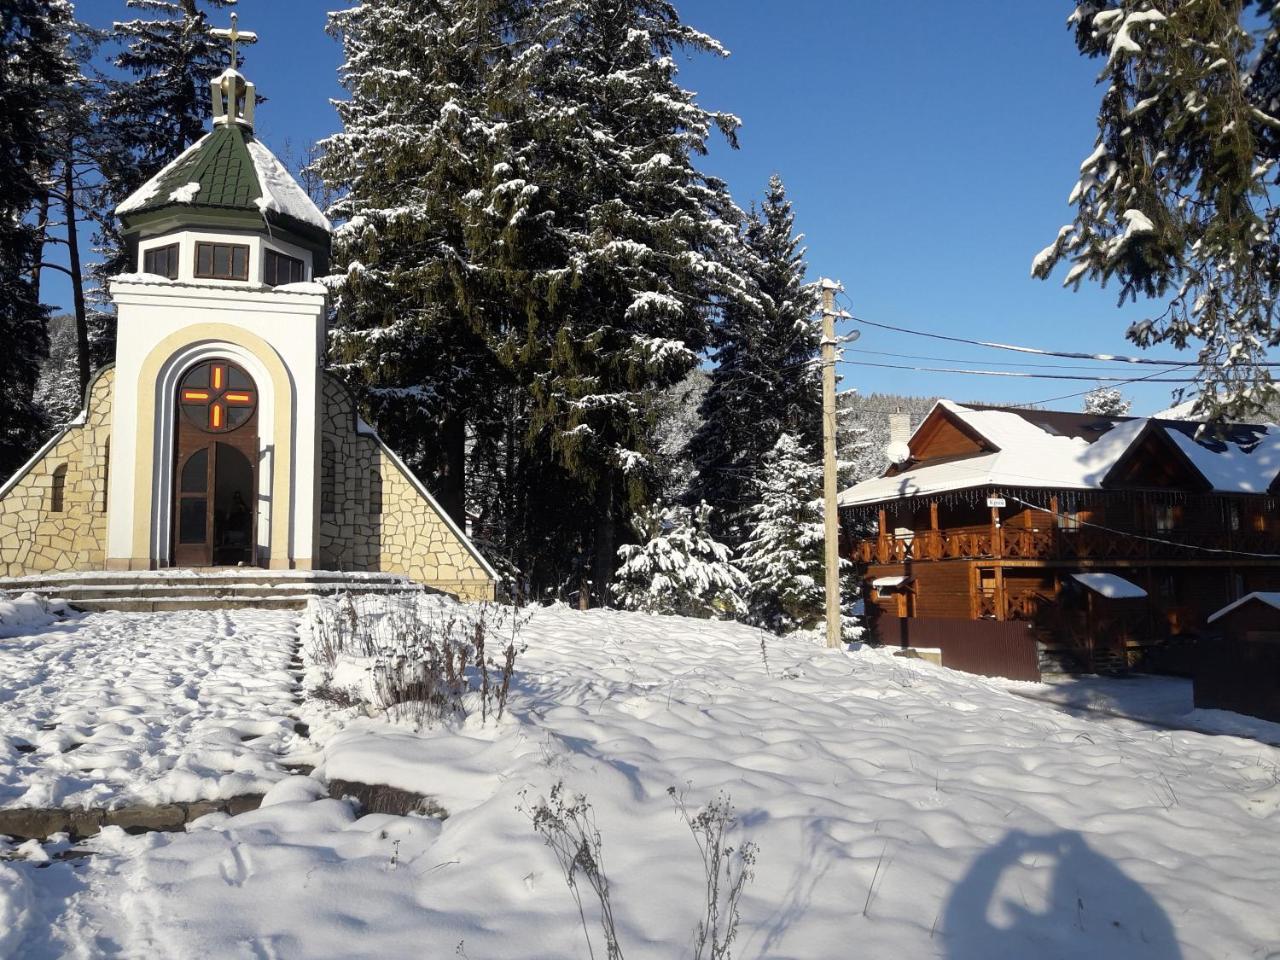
{"x":225,"y":173}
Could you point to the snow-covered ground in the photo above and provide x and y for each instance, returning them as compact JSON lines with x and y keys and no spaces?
{"x":147,"y":708}
{"x":901,"y":810}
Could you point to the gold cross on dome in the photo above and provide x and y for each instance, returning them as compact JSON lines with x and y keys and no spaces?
{"x":236,"y":36}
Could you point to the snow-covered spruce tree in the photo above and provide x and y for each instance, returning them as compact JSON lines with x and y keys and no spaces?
{"x":765,"y":382}
{"x":32,"y":76}
{"x":58,"y":390}
{"x":1176,"y":200}
{"x":645,"y":243}
{"x":678,"y":568}
{"x":155,"y":104}
{"x":782,"y":557}
{"x":422,"y":169}
{"x":1106,"y":402}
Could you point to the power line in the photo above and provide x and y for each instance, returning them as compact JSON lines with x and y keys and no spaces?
{"x":994,"y":363}
{"x":1080,"y":393}
{"x":1017,"y":373}
{"x":1112,"y":358}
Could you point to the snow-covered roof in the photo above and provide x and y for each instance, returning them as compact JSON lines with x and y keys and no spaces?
{"x":884,"y":583}
{"x":280,"y":192}
{"x":1110,"y":586}
{"x":231,"y":170}
{"x":1072,"y":452}
{"x":1270,"y":599}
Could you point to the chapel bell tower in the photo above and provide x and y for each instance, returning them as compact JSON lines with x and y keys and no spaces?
{"x":221,"y":326}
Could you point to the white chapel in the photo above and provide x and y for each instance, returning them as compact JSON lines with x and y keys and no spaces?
{"x":217,"y":438}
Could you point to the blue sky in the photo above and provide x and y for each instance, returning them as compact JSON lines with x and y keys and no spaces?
{"x":928,"y":148}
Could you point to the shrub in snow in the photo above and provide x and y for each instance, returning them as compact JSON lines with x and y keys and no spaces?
{"x":1106,"y":402}
{"x":415,"y":659}
{"x":28,"y":612}
{"x":567,"y":824}
{"x":679,"y":568}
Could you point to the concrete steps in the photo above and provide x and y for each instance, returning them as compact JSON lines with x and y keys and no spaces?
{"x":153,"y":591}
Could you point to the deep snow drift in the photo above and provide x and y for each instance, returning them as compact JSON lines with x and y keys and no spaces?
{"x":901,"y":811}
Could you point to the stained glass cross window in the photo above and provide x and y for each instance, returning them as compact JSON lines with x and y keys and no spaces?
{"x":217,"y":396}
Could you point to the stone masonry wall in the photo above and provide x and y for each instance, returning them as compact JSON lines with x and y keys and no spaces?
{"x":34,"y":538}
{"x":407,"y":536}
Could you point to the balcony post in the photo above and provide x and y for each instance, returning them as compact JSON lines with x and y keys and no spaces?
{"x":935,"y":539}
{"x":997,"y":544}
{"x":882,"y":541}
{"x":1054,"y":540}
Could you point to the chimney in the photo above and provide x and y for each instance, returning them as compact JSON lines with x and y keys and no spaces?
{"x":899,"y":427}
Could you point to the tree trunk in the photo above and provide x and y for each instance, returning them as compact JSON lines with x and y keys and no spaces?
{"x":43,"y":221}
{"x":606,"y":541}
{"x":453,"y":492}
{"x":77,"y":279}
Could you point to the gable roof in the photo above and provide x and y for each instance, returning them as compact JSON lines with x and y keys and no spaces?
{"x":1073,"y":451}
{"x":227,"y":169}
{"x":1270,"y":599}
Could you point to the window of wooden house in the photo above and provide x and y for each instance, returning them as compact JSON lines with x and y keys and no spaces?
{"x":1069,"y":518}
{"x":279,"y":269}
{"x":222,"y":261}
{"x":58,"y":489}
{"x":161,"y":261}
{"x":1233,"y":517}
{"x":1167,"y":517}
{"x":1168,"y":587}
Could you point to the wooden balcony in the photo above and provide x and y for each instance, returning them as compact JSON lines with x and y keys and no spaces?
{"x":1079,"y":544}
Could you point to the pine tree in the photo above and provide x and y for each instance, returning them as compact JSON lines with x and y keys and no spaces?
{"x":679,"y":568}
{"x":58,"y":392}
{"x":783,"y":554}
{"x":156,"y":105}
{"x":71,"y":184}
{"x":643,"y":247}
{"x":422,"y":148}
{"x":1176,"y":200}
{"x":32,"y":76}
{"x":1106,"y":402}
{"x":765,"y":383}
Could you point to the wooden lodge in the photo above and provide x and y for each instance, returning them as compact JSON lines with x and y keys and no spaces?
{"x":1092,"y":538}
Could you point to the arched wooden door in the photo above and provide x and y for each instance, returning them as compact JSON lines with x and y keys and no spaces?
{"x":216,"y":475}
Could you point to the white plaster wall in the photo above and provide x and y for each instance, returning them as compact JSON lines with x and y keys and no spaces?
{"x":291,"y":321}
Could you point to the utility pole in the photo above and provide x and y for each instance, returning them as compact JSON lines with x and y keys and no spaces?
{"x":830,"y":512}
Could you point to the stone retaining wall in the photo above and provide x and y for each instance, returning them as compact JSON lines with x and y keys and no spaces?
{"x":33,"y":537}
{"x":376,"y":517}
{"x":44,"y":823}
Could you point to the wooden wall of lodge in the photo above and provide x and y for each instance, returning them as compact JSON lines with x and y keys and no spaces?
{"x":1012,"y":567}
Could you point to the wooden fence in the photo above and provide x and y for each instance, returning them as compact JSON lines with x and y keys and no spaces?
{"x":1239,"y":675}
{"x":992,"y":648}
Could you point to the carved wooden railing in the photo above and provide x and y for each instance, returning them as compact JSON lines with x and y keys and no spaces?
{"x":1084,"y":544}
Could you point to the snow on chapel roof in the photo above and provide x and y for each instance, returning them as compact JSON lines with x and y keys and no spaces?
{"x":229,"y":169}
{"x":1071,"y":451}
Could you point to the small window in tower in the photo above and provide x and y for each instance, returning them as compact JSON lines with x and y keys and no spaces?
{"x":222,"y":261}
{"x":278,"y":269}
{"x":161,"y":261}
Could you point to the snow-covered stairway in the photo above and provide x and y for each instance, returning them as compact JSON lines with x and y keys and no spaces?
{"x":150,"y":591}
